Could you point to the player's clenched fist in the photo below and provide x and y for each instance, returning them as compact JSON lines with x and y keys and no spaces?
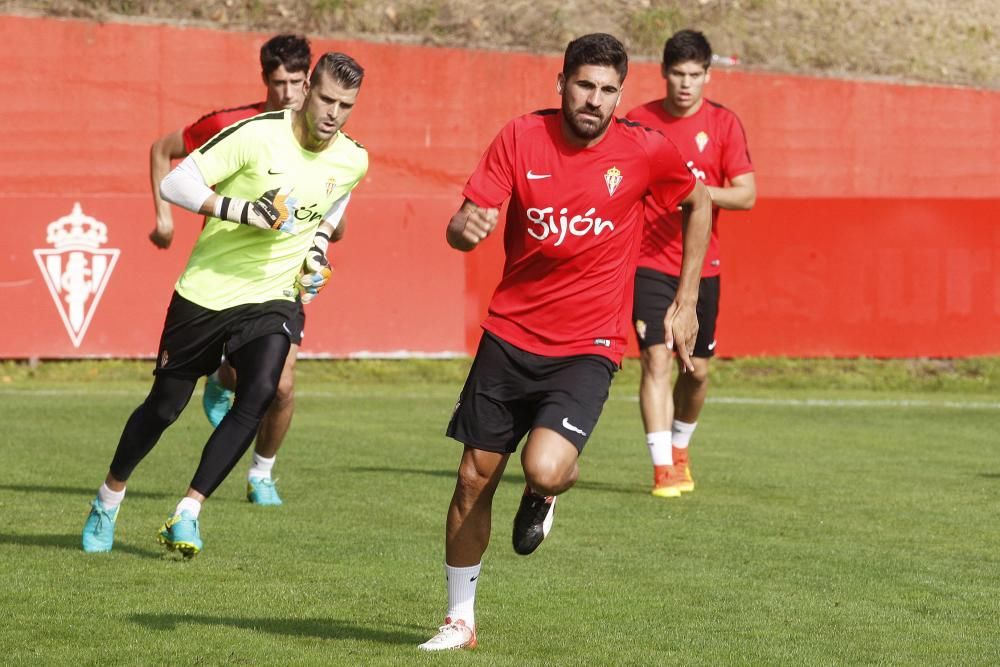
{"x":470,"y":225}
{"x":481,"y":222}
{"x":270,"y":211}
{"x":316,"y":269}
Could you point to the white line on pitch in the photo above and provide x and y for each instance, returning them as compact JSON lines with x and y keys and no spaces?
{"x":437,"y":394}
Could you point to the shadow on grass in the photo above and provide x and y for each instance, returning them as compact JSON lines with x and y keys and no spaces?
{"x":629,"y":490}
{"x":320,"y":628}
{"x":410,"y":471}
{"x":72,"y":542}
{"x":511,"y":477}
{"x":87,"y":492}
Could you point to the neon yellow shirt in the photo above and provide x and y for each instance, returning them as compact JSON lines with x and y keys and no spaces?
{"x":233,"y":264}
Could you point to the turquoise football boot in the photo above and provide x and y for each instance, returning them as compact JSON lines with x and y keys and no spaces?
{"x":180,"y":533}
{"x":262,"y":491}
{"x":216,"y":400}
{"x":99,"y":529}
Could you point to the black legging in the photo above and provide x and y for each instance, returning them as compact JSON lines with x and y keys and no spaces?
{"x":258,"y":366}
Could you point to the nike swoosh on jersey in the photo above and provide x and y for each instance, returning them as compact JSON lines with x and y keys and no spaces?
{"x":272,"y":172}
{"x":534,"y":177}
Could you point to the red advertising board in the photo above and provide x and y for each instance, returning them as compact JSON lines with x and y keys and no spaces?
{"x":874,"y":233}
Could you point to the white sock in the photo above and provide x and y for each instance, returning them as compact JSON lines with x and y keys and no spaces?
{"x":659,"y":448}
{"x":462,"y":592}
{"x":261,"y":467}
{"x":110,"y":499}
{"x":189,"y":504}
{"x":682,"y":432}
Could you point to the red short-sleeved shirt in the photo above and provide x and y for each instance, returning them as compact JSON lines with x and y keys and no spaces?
{"x":572,"y":230}
{"x":714,"y":146}
{"x":210,"y":124}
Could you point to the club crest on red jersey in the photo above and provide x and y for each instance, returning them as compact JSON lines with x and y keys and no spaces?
{"x":613,"y":177}
{"x":701,"y":139}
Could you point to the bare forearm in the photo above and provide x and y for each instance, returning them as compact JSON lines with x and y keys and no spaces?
{"x":733,"y":198}
{"x":739,"y":195}
{"x":165,"y":149}
{"x":697,"y":232}
{"x":159,"y":167}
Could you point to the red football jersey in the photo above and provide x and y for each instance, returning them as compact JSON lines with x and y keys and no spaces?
{"x":572,"y":231}
{"x":210,"y":124}
{"x":714,"y":146}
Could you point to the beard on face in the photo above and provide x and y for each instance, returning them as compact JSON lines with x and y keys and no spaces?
{"x":588,"y":131}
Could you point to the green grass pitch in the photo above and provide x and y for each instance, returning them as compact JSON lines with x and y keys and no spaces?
{"x":830,"y":526}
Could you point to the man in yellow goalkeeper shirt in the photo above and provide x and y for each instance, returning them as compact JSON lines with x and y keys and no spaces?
{"x":282,"y":180}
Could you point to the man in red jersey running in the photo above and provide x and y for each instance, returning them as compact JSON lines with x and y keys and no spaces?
{"x":714,"y":145}
{"x":558,"y":321}
{"x":284,"y":63}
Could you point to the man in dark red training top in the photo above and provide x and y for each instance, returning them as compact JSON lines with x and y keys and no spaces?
{"x":559,"y":320}
{"x":712,"y":141}
{"x":284,"y":64}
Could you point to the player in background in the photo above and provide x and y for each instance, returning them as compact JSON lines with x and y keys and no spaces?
{"x":558,"y":321}
{"x":282,"y":181}
{"x":714,"y":146}
{"x":284,"y":63}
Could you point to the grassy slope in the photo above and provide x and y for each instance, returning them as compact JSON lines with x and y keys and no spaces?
{"x":921,"y":40}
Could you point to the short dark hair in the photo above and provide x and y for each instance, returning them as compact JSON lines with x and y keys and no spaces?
{"x":685,"y":45}
{"x":292,"y":51}
{"x":595,"y":49}
{"x":340,"y":67}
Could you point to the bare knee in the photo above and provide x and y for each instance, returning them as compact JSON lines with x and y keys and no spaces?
{"x":471,"y":479}
{"x":286,"y":383}
{"x":284,"y":395}
{"x":227,"y":376}
{"x":655,"y":362}
{"x":698,"y":377}
{"x":478,"y":476}
{"x":549,"y":462}
{"x":550,"y":479}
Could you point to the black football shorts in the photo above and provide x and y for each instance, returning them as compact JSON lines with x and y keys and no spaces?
{"x":195,"y":338}
{"x":299,"y":323}
{"x":655,"y":291}
{"x":510,"y":391}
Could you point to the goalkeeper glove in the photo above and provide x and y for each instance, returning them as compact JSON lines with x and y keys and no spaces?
{"x":316,"y":269}
{"x":270,"y":211}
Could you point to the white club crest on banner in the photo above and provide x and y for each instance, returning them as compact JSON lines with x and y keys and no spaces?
{"x":76,"y":269}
